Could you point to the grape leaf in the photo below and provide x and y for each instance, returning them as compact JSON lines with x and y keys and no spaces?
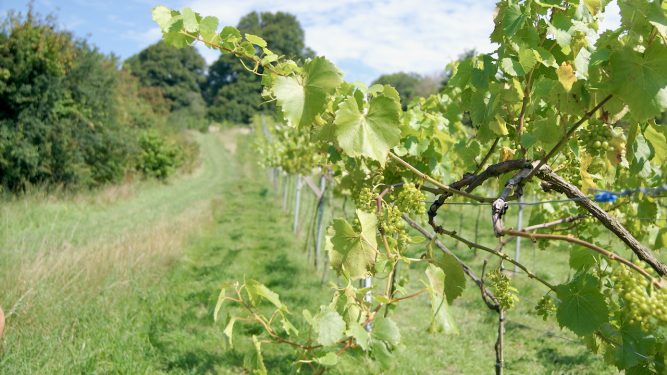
{"x":302,"y":100}
{"x":190,"y":23}
{"x":361,"y":336}
{"x":328,"y":360}
{"x":256,"y":40}
{"x":455,"y":280}
{"x":582,"y":307}
{"x":658,"y":140}
{"x":566,"y":76}
{"x":582,"y":258}
{"x":441,"y":321}
{"x":330,"y":327}
{"x":229,"y":330}
{"x":661,"y":239}
{"x":372,"y":134}
{"x":162,"y":16}
{"x":254,"y":361}
{"x":354,"y":253}
{"x":256,"y":290}
{"x":646,"y":92}
{"x":386,"y":330}
{"x":208,"y":27}
{"x":513,"y":19}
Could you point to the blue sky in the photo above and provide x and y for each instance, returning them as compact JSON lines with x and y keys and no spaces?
{"x":365,"y":38}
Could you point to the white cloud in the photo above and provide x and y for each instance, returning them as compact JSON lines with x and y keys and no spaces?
{"x":386,"y":36}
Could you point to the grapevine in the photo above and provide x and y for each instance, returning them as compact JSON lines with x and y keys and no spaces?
{"x":559,"y":109}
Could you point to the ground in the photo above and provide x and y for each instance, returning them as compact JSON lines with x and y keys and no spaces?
{"x":125,"y":281}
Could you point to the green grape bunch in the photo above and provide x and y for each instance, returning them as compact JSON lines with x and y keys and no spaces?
{"x":641,"y":303}
{"x":596,"y":139}
{"x":411,"y":200}
{"x":545,"y":307}
{"x":505,"y":293}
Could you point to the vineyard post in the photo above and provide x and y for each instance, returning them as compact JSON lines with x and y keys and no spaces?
{"x":297,"y":202}
{"x":285,"y":188}
{"x":368,"y":283}
{"x":519,"y":226}
{"x":320,"y":214}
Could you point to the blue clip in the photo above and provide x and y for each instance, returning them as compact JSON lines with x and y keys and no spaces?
{"x":605,"y":196}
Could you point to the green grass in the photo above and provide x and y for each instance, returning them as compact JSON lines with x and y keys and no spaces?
{"x":154,"y":315}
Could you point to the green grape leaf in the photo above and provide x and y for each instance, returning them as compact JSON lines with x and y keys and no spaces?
{"x":512,"y":67}
{"x":353,"y":253}
{"x":455,"y":280}
{"x":657,"y":137}
{"x":513,"y":19}
{"x":441,"y":320}
{"x":635,"y":348}
{"x":254,"y":361}
{"x":257,"y":291}
{"x":528,"y":58}
{"x":328,"y":360}
{"x":661,"y":239}
{"x":581,"y":63}
{"x":330,"y":327}
{"x":162,"y":16}
{"x":302,"y":100}
{"x":229,"y":330}
{"x":593,"y":6}
{"x":386,"y":330}
{"x":498,"y":125}
{"x":566,"y":76}
{"x":230,"y":33}
{"x":646,"y":92}
{"x":208,"y":27}
{"x":288,"y":327}
{"x":582,"y":258}
{"x":582,"y":307}
{"x":256,"y":40}
{"x":370,"y":134}
{"x":381,"y":354}
{"x":218,"y":305}
{"x":361,"y":336}
{"x":190,"y":23}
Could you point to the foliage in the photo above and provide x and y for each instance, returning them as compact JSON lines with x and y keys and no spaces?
{"x":233,"y":93}
{"x":178,"y":73}
{"x":553,"y":77}
{"x":68,"y":116}
{"x":157,"y":158}
{"x":407,"y":85}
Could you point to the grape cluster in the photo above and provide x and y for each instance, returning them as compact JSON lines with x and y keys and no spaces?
{"x":505,"y":293}
{"x":411,"y":200}
{"x":596,"y":138}
{"x":391,"y":220}
{"x":545,"y":307}
{"x":365,"y":200}
{"x":640,"y":302}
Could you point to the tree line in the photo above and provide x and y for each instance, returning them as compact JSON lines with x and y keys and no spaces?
{"x":73,"y":117}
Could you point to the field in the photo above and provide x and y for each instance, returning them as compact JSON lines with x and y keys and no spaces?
{"x":125,"y":281}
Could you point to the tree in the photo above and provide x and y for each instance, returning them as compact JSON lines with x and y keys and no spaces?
{"x":407,"y":85}
{"x":178,"y":73}
{"x":233,"y":93}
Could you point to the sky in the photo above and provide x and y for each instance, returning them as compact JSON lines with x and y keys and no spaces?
{"x":364,"y":38}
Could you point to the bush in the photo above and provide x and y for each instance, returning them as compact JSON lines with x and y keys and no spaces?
{"x":157,"y":157}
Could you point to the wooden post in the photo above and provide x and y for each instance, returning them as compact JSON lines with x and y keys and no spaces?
{"x":297,"y":202}
{"x":285,"y":188}
{"x":320,"y":214}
